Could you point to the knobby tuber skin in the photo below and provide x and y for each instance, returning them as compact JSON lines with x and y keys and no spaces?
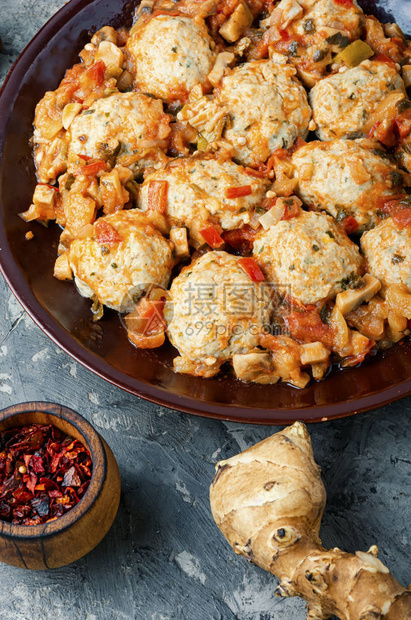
{"x":268,"y":502}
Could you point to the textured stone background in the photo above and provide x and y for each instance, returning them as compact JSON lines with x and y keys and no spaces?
{"x":164,"y":559}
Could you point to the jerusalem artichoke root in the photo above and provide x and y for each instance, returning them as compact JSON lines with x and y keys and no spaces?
{"x":268,"y":502}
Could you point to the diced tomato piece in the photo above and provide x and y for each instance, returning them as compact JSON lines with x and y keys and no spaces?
{"x":146,"y":325}
{"x":402,"y":218}
{"x":251,"y":269}
{"x":241,"y":239}
{"x":259,"y":174}
{"x":350,"y":224}
{"x":382,"y":58}
{"x":212,"y":237}
{"x":263,"y":170}
{"x":157,"y":195}
{"x":308,"y":327}
{"x":346,"y":3}
{"x":152,"y":313}
{"x":92,"y":167}
{"x":285,"y":35}
{"x":390,"y":204}
{"x":403,"y":126}
{"x":292,"y":209}
{"x":96,"y":73}
{"x":105,"y":233}
{"x":261,"y":49}
{"x":238,"y":192}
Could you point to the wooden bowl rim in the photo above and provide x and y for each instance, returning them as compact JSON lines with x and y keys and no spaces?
{"x":93,"y":442}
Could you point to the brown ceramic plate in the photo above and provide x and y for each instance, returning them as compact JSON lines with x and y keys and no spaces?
{"x":103,"y":348}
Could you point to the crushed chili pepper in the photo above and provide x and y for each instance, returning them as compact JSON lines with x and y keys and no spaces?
{"x":43,"y":474}
{"x":106,"y":233}
{"x":350,"y":224}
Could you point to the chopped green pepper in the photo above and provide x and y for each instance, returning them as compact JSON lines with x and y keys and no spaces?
{"x":355,"y":53}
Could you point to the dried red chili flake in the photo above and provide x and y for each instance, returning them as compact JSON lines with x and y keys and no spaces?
{"x":43,"y":474}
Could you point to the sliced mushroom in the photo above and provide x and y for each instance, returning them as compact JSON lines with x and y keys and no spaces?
{"x":112,"y":56}
{"x":223,"y":60}
{"x":104,"y":34}
{"x":314,"y":353}
{"x":348,"y":300}
{"x":237,"y":23}
{"x":406,"y":75}
{"x":71,"y":110}
{"x":62,"y":269}
{"x":145,"y":8}
{"x":179,"y":237}
{"x":256,"y":366}
{"x":393,"y":30}
{"x":44,"y":195}
{"x":291,"y":10}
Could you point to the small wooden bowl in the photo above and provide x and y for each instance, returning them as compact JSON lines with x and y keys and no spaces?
{"x":71,"y":536}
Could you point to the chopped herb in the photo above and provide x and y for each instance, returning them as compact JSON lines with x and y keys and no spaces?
{"x":174,"y":49}
{"x":396,"y":178}
{"x":69,"y":181}
{"x":325,"y":314}
{"x":88,"y":112}
{"x":104,"y":250}
{"x":330,"y":234}
{"x":293,"y":48}
{"x":114,"y":265}
{"x":352,"y":281}
{"x":309,"y":26}
{"x":341,"y":213}
{"x":382,"y":214}
{"x":354,"y":135}
{"x":320,"y":55}
{"x":292,"y":268}
{"x":338,"y":39}
{"x":397,"y":258}
{"x":380,"y":153}
{"x":316,"y":248}
{"x":403,"y":105}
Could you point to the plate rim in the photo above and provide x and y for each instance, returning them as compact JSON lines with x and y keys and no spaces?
{"x":49,"y":325}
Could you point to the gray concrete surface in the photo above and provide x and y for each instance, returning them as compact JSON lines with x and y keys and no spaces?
{"x":164,"y":559}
